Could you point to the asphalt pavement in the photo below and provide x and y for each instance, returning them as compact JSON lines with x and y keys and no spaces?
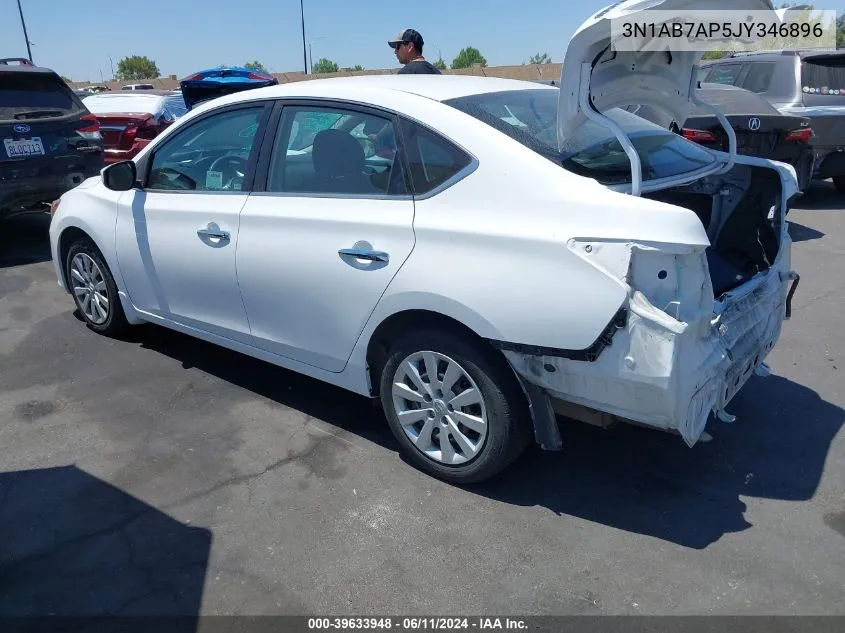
{"x":163,"y":475}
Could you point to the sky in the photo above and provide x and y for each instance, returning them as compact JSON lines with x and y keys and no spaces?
{"x":76,"y":38}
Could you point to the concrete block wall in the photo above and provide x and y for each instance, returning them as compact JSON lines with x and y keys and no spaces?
{"x":532,"y":72}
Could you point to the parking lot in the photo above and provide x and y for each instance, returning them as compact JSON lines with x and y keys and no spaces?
{"x":160,"y":474}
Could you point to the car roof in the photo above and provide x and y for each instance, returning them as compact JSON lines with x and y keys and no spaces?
{"x":435,"y":87}
{"x":23,"y":66}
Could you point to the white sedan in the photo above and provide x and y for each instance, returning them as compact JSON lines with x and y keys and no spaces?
{"x":478,"y":253}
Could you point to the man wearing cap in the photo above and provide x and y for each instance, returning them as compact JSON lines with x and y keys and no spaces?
{"x":408,"y":47}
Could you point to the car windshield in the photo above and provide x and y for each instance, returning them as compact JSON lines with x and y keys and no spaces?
{"x":530,"y":117}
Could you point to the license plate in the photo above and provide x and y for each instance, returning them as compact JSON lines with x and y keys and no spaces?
{"x":24,"y":147}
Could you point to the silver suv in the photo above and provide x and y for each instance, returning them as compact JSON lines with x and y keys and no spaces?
{"x":803,"y":83}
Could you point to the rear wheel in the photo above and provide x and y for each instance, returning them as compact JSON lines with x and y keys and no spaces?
{"x":839,"y":183}
{"x":456,"y":409}
{"x":93,"y":288}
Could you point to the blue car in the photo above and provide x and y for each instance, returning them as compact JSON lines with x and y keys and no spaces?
{"x":216,"y":82}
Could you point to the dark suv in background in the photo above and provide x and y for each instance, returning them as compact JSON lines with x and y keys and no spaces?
{"x":803,"y":83}
{"x":49,"y":141}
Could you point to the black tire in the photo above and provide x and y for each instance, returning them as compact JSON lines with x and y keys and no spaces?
{"x":509,"y":429}
{"x":839,"y":183}
{"x":115,"y":322}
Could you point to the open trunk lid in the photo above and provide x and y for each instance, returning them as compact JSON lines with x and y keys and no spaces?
{"x":596,"y":78}
{"x":217,"y":82}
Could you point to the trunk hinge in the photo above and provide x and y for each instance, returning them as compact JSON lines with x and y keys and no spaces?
{"x":594,"y":115}
{"x":722,"y":120}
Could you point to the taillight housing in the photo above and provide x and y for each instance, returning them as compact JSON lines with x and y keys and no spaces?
{"x":260,"y":76}
{"x":90,"y":132}
{"x":698,"y":136}
{"x":801,"y":135}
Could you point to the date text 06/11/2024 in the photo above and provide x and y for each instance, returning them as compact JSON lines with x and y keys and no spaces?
{"x":416,"y":624}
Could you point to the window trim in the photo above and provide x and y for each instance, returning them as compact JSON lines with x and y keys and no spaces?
{"x":144,"y":166}
{"x":263,"y":167}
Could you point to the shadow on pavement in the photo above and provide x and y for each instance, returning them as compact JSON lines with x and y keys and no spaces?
{"x":630,"y":478}
{"x":801,"y":233}
{"x":821,"y":196}
{"x":317,"y":399}
{"x":650,"y":483}
{"x":73,"y":545}
{"x":25,"y":239}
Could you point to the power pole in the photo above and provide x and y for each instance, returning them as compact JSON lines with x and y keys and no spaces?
{"x":304,"y":53}
{"x":25,"y":36}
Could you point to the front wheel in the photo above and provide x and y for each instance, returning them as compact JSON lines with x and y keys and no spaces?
{"x":455,"y":408}
{"x":93,"y":288}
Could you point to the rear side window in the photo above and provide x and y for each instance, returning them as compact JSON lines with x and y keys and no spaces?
{"x":26,"y":96}
{"x":725,"y":74}
{"x":759,"y":76}
{"x":433,"y":160}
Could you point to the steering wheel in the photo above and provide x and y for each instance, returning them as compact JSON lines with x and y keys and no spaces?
{"x":234,"y":163}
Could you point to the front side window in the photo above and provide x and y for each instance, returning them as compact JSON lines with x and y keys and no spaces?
{"x":529,"y":116}
{"x":335,"y":151}
{"x":210,"y":155}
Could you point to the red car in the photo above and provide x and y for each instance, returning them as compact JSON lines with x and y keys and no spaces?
{"x":130,"y":120}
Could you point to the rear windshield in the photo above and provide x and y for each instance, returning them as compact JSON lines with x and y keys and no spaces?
{"x":823,"y":80}
{"x":530,"y":117}
{"x":27,"y":96}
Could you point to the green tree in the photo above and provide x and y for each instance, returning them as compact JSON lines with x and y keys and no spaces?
{"x":440,"y":64}
{"x":257,"y":66}
{"x":540,"y":58}
{"x":136,"y":67}
{"x":840,"y":31}
{"x":714,"y":54}
{"x":357,"y":67}
{"x":324,"y":65}
{"x":467,"y":57}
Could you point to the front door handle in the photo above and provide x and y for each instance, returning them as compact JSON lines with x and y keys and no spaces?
{"x":365,"y":253}
{"x":213,"y":231}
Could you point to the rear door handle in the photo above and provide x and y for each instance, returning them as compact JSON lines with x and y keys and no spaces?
{"x":213,"y":231}
{"x":364,"y":253}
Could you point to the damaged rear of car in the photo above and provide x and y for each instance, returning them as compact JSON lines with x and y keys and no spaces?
{"x":699,"y":317}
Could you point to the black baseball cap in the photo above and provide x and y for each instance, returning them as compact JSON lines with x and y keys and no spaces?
{"x":405,"y":37}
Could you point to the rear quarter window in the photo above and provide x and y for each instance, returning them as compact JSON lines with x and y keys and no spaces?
{"x":724,"y":74}
{"x":432,"y":159}
{"x":24,"y":96}
{"x":759,"y":76}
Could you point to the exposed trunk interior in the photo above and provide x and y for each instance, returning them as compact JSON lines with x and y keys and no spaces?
{"x":740,"y":210}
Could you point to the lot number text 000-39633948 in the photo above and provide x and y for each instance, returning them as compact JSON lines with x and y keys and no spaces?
{"x":416,"y":624}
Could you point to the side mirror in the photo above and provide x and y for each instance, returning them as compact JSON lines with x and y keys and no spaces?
{"x":120,"y":176}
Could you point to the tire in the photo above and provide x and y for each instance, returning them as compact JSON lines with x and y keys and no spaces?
{"x":508,"y":428}
{"x":839,"y":183}
{"x":83,"y":252}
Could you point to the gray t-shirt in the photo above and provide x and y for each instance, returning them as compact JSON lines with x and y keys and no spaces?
{"x":421,"y":67}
